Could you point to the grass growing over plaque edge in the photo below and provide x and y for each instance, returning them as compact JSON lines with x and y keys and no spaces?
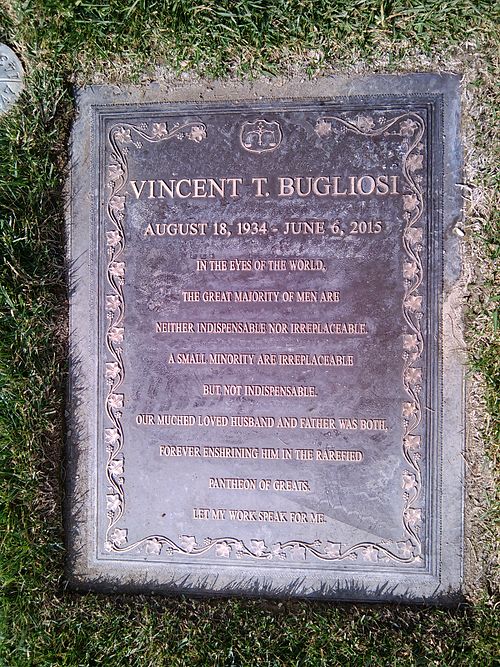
{"x":63,"y":42}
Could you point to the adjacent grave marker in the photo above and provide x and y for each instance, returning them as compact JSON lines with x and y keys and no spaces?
{"x":11,"y":78}
{"x":264,"y":399}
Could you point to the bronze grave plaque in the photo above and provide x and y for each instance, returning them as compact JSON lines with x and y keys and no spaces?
{"x":260,"y":402}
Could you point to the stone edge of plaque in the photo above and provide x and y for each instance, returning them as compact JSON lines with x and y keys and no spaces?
{"x":82,"y":571}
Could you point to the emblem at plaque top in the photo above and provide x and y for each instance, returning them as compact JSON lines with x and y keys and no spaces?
{"x":260,"y":136}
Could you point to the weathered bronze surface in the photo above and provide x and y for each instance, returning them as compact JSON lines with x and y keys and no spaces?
{"x":263,"y":296}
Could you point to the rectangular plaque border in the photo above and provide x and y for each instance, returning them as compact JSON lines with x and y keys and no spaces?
{"x":433,"y":102}
{"x":371,"y":552}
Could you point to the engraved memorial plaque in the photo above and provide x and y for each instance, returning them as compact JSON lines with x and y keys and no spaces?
{"x":263,"y":396}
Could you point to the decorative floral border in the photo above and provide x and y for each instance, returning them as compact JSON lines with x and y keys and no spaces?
{"x":410,"y":127}
{"x":120,"y":137}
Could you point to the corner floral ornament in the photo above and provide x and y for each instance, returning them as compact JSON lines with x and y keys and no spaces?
{"x":408,"y":128}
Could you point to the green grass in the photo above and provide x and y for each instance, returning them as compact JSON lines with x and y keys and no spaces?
{"x":63,"y":42}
